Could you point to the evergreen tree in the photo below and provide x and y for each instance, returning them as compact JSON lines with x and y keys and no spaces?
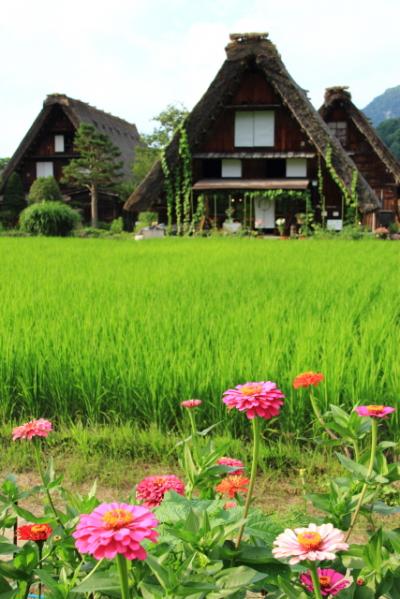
{"x":14,"y":200}
{"x":97,"y":167}
{"x":44,"y":189}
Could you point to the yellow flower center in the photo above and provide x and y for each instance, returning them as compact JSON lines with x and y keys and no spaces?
{"x":117,"y":519}
{"x":325,"y":581}
{"x":374,"y":409}
{"x":251,"y":389}
{"x":309,"y":540}
{"x":38,"y":528}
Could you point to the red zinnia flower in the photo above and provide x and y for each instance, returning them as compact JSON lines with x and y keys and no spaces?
{"x":34,"y":532}
{"x":262,"y":399}
{"x":232,"y":486}
{"x":308,"y":379}
{"x":34,"y":428}
{"x":191,"y":403}
{"x":151,"y":490}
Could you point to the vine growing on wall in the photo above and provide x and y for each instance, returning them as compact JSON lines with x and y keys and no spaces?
{"x":178,"y":186}
{"x":349,"y":199}
{"x":321,"y":194}
{"x":169,"y":190}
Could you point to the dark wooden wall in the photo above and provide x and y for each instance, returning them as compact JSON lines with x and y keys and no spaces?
{"x":256,"y":93}
{"x":366,"y":160}
{"x":42,"y":148}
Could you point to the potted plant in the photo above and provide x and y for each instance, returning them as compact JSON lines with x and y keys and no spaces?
{"x":280,"y":223}
{"x":229,"y":225}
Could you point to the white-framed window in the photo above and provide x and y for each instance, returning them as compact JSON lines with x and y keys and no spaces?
{"x":59,"y":145}
{"x":231,"y":168}
{"x":254,"y":128}
{"x":44,"y":169}
{"x":339,"y":129}
{"x":296,"y":167}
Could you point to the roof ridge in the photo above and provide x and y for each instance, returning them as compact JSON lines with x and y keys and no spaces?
{"x":57,"y":98}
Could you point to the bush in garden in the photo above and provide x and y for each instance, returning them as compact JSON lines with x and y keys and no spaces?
{"x":49,"y":218}
{"x":44,"y":189}
{"x":117,"y":226}
{"x":202,"y":538}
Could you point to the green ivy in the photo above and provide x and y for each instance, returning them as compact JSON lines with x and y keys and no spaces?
{"x":168,"y":189}
{"x":321,"y":192}
{"x":349,"y":199}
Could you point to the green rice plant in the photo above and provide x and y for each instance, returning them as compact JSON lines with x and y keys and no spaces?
{"x":99,"y":331}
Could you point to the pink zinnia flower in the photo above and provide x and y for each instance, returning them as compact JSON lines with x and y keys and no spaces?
{"x":233,"y":463}
{"x":228,"y":505}
{"x":308,"y":379}
{"x":191,"y":403}
{"x":374,"y":411}
{"x":116,"y":528}
{"x":34,"y":428}
{"x":262,"y":399}
{"x":151,"y":490}
{"x":312,"y":543}
{"x":331,"y":581}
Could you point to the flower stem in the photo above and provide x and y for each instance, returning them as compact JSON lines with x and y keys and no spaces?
{"x":123,"y":575}
{"x":374,"y":444}
{"x":322,"y":422}
{"x":256,"y":451}
{"x":315,"y":580}
{"x":41,"y":473}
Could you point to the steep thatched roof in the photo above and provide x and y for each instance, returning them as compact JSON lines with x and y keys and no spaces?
{"x":248,"y":51}
{"x":123,"y":135}
{"x":340,"y":96}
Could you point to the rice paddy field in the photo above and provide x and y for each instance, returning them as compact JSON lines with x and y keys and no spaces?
{"x":108,"y":331}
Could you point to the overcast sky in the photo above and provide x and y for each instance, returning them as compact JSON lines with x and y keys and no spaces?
{"x":133,"y":57}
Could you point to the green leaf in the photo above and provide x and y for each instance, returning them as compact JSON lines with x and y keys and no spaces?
{"x":99,"y":581}
{"x":161,"y":573}
{"x":6,"y":547}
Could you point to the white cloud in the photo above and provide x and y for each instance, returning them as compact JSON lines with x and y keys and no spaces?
{"x":133,"y":57}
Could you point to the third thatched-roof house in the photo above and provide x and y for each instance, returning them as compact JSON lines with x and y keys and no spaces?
{"x":362,"y":143}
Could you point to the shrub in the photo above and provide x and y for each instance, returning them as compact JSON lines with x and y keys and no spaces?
{"x":48,"y":218}
{"x":148,"y":218}
{"x":44,"y":189}
{"x":117,"y":226}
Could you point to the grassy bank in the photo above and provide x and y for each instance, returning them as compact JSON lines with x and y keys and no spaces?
{"x":107,"y":331}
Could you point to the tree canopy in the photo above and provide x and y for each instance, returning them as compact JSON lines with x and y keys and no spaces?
{"x":151,"y":145}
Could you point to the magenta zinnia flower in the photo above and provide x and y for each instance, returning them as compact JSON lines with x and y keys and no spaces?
{"x":151,"y":490}
{"x":374,"y":411}
{"x":34,"y":428}
{"x":115,"y":528}
{"x":314,"y":543}
{"x":233,"y":463}
{"x":331,"y":581}
{"x":191,"y":403}
{"x":261,"y":399}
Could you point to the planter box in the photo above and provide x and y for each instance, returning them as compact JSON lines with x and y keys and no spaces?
{"x":231,"y":227}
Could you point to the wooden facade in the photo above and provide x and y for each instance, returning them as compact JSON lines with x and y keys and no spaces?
{"x":254,"y":131}
{"x":48,"y":147}
{"x":360,"y":140}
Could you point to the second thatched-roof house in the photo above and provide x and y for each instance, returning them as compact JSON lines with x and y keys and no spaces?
{"x":253,"y":149}
{"x":362,"y":143}
{"x":48,"y":146}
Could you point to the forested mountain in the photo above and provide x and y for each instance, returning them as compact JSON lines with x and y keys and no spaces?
{"x":389,"y":131}
{"x":385,"y":106}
